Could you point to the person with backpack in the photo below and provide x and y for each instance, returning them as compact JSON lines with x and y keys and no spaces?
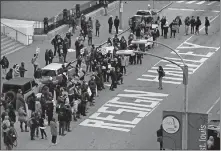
{"x":207,"y":24}
{"x":161,"y":74}
{"x":198,"y":24}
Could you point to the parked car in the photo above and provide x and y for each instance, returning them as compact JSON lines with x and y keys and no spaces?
{"x":11,"y":87}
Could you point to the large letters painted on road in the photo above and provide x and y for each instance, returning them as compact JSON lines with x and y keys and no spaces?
{"x":172,"y":130}
{"x":197,"y":131}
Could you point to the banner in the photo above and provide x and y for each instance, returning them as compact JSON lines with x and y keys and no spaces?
{"x":197,"y":131}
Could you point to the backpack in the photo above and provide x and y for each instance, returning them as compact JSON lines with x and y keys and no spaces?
{"x":8,"y":76}
{"x":163,"y":73}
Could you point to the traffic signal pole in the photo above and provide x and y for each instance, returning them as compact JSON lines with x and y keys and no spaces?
{"x":185,"y":83}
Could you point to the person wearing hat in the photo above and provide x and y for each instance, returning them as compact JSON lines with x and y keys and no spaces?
{"x":110,"y":23}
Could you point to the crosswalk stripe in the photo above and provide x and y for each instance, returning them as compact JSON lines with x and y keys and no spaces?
{"x":199,"y":3}
{"x":179,"y":1}
{"x":211,"y":3}
{"x":190,"y":2}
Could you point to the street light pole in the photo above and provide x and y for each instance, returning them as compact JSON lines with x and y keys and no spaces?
{"x":121,"y":14}
{"x":185,"y":83}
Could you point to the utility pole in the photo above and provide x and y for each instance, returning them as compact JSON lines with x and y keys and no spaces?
{"x":153,"y":4}
{"x":185,"y":117}
{"x":121,"y":14}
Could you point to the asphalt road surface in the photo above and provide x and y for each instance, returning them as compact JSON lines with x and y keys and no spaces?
{"x":35,"y":10}
{"x":129,"y":117}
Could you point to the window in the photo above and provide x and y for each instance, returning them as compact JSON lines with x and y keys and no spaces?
{"x":33,"y":83}
{"x":143,"y":13}
{"x":13,"y":88}
{"x":49,"y":73}
{"x":27,"y":87}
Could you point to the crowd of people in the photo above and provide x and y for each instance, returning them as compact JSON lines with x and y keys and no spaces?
{"x":74,"y":95}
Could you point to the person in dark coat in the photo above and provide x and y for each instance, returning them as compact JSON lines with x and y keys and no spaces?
{"x":173,"y":29}
{"x":138,"y":32}
{"x":198,"y":24}
{"x":51,"y":56}
{"x":113,"y":79}
{"x":97,"y":27}
{"x":33,"y":125}
{"x":9,"y":75}
{"x":22,"y":69}
{"x":61,"y":119}
{"x":46,"y":57}
{"x":38,"y":74}
{"x":116,"y":24}
{"x":110,"y":23}
{"x":116,"y":41}
{"x":5,"y":64}
{"x":55,"y":44}
{"x":65,"y":48}
{"x":192,"y":24}
{"x":68,"y":36}
{"x":207,"y":24}
{"x":161,"y":74}
{"x":163,"y":22}
{"x":123,"y":43}
{"x":77,"y":47}
{"x":31,"y":102}
{"x":160,"y":137}
{"x":68,"y":117}
{"x":42,"y":128}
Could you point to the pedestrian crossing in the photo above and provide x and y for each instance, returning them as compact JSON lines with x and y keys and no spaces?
{"x":196,"y":2}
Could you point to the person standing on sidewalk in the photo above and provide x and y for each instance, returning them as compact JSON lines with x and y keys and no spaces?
{"x":161,"y":74}
{"x":173,"y":29}
{"x":207,"y":24}
{"x":54,"y":131}
{"x":116,"y":24}
{"x":163,"y":22}
{"x":187,"y":24}
{"x":97,"y":26}
{"x":192,"y":24}
{"x":22,"y":118}
{"x":34,"y":62}
{"x":42,"y":127}
{"x":110,"y":23}
{"x":22,"y":69}
{"x":90,"y":34}
{"x":198,"y":24}
{"x":55,"y":44}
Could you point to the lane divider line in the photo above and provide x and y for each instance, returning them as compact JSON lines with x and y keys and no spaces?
{"x":213,"y":105}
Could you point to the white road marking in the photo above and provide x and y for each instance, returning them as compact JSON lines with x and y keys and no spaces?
{"x":107,"y":84}
{"x":179,"y":1}
{"x":211,"y":3}
{"x":190,"y":2}
{"x":190,"y":53}
{"x":199,"y":3}
{"x":213,"y":105}
{"x":179,"y":9}
{"x":215,"y":11}
{"x":142,"y":107}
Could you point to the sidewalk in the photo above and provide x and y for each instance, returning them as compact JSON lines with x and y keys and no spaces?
{"x":26,"y":54}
